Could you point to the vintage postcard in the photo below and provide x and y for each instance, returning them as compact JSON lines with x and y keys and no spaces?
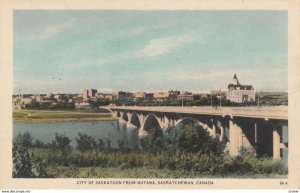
{"x":151,"y":95}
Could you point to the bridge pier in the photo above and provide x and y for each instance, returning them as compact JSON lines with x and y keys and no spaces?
{"x":213,"y":128}
{"x":130,"y":126}
{"x":242,"y":136}
{"x":280,"y":141}
{"x":222,"y":133}
{"x":166,"y":122}
{"x":276,"y":143}
{"x":143,"y":132}
{"x":122,"y":123}
{"x":235,"y":138}
{"x":266,"y":134}
{"x":221,"y":129}
{"x":173,"y":122}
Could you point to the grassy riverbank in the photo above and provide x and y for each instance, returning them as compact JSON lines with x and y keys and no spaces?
{"x":143,"y":172}
{"x":58,"y":116}
{"x":107,"y":164}
{"x":164,"y":156}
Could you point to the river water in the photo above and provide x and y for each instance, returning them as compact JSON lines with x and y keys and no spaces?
{"x":45,"y":131}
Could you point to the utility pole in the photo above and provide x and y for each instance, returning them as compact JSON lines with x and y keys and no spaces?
{"x":182,"y":100}
{"x":220,"y":98}
{"x":19,"y":96}
{"x":258,"y":100}
{"x":211,"y":99}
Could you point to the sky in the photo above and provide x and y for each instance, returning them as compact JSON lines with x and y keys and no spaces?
{"x":66,"y":51}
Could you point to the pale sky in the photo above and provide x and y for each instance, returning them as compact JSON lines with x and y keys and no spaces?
{"x":68,"y":51}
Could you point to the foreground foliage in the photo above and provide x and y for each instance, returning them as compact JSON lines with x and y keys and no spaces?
{"x":185,"y":151}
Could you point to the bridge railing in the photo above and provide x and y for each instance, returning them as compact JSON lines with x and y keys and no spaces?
{"x":264,"y":112}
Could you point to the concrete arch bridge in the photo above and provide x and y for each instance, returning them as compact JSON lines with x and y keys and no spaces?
{"x":263,"y":130}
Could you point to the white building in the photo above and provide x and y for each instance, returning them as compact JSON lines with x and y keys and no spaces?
{"x":240,"y":93}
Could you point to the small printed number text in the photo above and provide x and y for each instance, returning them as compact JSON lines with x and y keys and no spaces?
{"x":282,"y":183}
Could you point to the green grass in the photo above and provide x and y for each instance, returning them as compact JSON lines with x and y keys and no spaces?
{"x":42,"y":115}
{"x":68,"y":115}
{"x":19,"y":114}
{"x":144,"y":165}
{"x":140,"y":172}
{"x":118,"y":172}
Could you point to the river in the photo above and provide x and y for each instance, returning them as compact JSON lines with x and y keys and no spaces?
{"x":45,"y":131}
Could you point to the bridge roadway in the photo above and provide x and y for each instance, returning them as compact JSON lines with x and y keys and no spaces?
{"x":262,"y":129}
{"x":274,"y":112}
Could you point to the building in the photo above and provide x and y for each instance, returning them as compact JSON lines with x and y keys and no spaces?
{"x":185,"y":96}
{"x":108,"y":96}
{"x":118,"y":95}
{"x":173,"y":94}
{"x":161,"y":95}
{"x":198,"y":96}
{"x":218,"y":93}
{"x":47,"y":99}
{"x":89,"y":93}
{"x":82,"y":105}
{"x":239,"y":93}
{"x":149,"y":96}
{"x":37,"y":98}
{"x":58,"y":97}
{"x":139,"y":95}
{"x":122,"y":95}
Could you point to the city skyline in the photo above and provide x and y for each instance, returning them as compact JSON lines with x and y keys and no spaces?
{"x":68,"y":51}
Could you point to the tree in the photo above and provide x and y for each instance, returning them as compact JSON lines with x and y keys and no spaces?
{"x":154,"y":143}
{"x":61,"y":143}
{"x":22,"y":165}
{"x":108,"y":143}
{"x":85,"y":142}
{"x":193,"y":138}
{"x":53,"y":106}
{"x":101,"y":144}
{"x":121,"y":144}
{"x":32,"y":105}
{"x":39,"y":144}
{"x":24,"y":140}
{"x":45,"y":105}
{"x":99,"y":102}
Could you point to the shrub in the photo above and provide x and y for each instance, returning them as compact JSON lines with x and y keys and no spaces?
{"x":108,"y":143}
{"x":194,"y":139}
{"x":39,"y":144}
{"x":22,"y":166}
{"x":61,"y":142}
{"x":154,"y":143}
{"x":24,"y":140}
{"x":101,"y":144}
{"x":85,"y":142}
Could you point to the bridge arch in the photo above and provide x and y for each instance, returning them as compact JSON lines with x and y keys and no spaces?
{"x":135,"y":120}
{"x":151,"y":123}
{"x":185,"y":120}
{"x":118,"y":114}
{"x":125,"y":116}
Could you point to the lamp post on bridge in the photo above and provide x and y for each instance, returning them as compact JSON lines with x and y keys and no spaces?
{"x":258,"y":102}
{"x":220,"y":98}
{"x":211,"y":99}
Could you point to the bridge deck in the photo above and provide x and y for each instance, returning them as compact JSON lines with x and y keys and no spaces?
{"x":275,"y":112}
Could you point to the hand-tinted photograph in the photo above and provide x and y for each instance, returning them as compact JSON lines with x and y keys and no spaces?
{"x":150,"y":94}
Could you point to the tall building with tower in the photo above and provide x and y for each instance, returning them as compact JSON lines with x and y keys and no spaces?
{"x":88,"y":93}
{"x":238,"y":93}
